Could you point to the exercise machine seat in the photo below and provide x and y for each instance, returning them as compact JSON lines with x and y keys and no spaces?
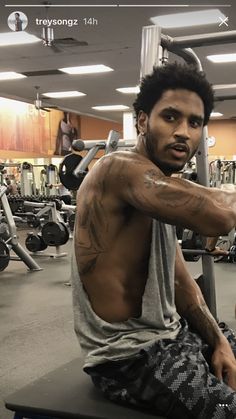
{"x":68,"y":392}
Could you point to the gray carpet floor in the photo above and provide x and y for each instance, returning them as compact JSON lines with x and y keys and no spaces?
{"x":36,"y":332}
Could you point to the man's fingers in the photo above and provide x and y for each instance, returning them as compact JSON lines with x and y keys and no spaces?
{"x":218,"y":372}
{"x":230,"y":379}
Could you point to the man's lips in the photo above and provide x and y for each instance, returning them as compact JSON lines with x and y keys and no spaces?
{"x":179,"y":147}
{"x":179,"y":151}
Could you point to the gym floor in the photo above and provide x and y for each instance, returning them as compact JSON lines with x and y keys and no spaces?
{"x":36,"y":334}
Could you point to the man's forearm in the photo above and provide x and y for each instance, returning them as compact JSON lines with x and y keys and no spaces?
{"x":201,"y":319}
{"x":211,"y":243}
{"x":191,"y":305}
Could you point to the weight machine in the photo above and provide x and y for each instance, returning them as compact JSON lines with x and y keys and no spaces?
{"x":222,"y":172}
{"x":9,"y":240}
{"x":54,"y":232}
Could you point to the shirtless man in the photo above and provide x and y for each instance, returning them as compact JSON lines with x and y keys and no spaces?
{"x":128,"y":274}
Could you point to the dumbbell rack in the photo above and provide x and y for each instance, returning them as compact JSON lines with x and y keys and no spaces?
{"x":54,"y":215}
{"x":11,"y":238}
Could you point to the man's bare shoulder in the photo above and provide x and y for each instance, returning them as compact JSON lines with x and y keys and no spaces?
{"x":125,"y":162}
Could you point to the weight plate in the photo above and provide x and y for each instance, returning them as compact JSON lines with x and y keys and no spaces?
{"x":33,"y":243}
{"x":66,"y":169}
{"x":55,"y":234}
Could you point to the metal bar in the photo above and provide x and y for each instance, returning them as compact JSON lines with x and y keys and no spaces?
{"x":3,"y":189}
{"x":199,"y":40}
{"x":88,"y":158}
{"x":25,"y":257}
{"x":10,"y":220}
{"x":88,"y":144}
{"x":222,"y":98}
{"x":93,"y":147}
{"x":150,"y":49}
{"x":204,"y":252}
{"x":38,"y":204}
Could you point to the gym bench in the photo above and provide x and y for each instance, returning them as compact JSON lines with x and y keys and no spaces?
{"x":68,"y":393}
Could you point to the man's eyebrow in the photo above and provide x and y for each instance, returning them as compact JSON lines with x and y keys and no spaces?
{"x":199,"y":118}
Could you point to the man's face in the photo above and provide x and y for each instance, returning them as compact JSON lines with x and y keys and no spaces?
{"x":173,"y":129}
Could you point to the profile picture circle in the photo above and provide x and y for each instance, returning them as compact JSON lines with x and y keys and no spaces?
{"x":17,"y":21}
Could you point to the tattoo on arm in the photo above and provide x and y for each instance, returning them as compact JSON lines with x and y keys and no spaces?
{"x":201,"y":319}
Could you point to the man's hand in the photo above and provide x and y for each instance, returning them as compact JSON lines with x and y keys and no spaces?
{"x":224,"y":363}
{"x":219,"y":252}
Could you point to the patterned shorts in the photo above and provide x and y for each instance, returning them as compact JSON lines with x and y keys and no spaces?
{"x":170,"y":378}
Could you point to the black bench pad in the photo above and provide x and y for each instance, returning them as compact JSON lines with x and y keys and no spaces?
{"x":68,"y":392}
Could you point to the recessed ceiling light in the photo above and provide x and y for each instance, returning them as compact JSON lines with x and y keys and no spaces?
{"x":222,"y":58}
{"x":11,"y":75}
{"x":129,"y":90}
{"x":86,"y":69}
{"x":17,"y":38}
{"x":181,"y":20}
{"x":215,"y":114}
{"x":224,"y":86}
{"x":72,"y":93}
{"x":111,"y":108}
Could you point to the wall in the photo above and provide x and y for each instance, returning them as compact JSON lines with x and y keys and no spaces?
{"x":97,"y":129}
{"x":25,"y":131}
{"x":224,"y":132}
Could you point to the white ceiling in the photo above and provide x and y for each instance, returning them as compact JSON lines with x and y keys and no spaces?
{"x":115,"y":41}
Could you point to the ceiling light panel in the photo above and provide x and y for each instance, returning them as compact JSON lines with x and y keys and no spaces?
{"x":11,"y":75}
{"x":129,"y":90}
{"x":111,"y":108}
{"x":58,"y":95}
{"x":222,"y":58}
{"x":17,"y":38}
{"x":216,"y":114}
{"x":86,"y":69}
{"x":183,"y":20}
{"x":224,"y":86}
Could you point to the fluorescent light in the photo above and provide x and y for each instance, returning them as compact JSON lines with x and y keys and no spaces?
{"x":72,"y":93}
{"x":222,"y":58}
{"x":128,"y":90}
{"x":110,"y":108}
{"x":11,"y":75}
{"x":86,"y":69}
{"x":224,"y":86}
{"x":181,"y":20}
{"x":216,"y":114}
{"x":17,"y":38}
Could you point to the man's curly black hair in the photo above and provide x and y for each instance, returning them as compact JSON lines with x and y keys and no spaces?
{"x":173,"y":76}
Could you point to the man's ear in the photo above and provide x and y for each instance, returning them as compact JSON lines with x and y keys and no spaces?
{"x":142,"y":122}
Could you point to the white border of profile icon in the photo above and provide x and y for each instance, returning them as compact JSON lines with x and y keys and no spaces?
{"x":17,"y":21}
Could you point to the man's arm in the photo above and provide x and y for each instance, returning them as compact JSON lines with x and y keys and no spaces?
{"x":213,"y":249}
{"x":191,"y":305}
{"x":209,"y":211}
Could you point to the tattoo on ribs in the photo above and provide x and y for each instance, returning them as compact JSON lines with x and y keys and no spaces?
{"x":87,"y":267}
{"x":90,"y":240}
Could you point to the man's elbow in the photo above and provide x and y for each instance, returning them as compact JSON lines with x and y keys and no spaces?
{"x":222,"y":225}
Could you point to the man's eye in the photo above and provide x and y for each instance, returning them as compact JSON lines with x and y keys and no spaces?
{"x":195,"y":124}
{"x":170,"y":118}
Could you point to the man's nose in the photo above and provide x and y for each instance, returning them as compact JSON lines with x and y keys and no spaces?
{"x":182,"y":130}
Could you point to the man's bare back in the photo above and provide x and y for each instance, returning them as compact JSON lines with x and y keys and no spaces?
{"x":112,"y":241}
